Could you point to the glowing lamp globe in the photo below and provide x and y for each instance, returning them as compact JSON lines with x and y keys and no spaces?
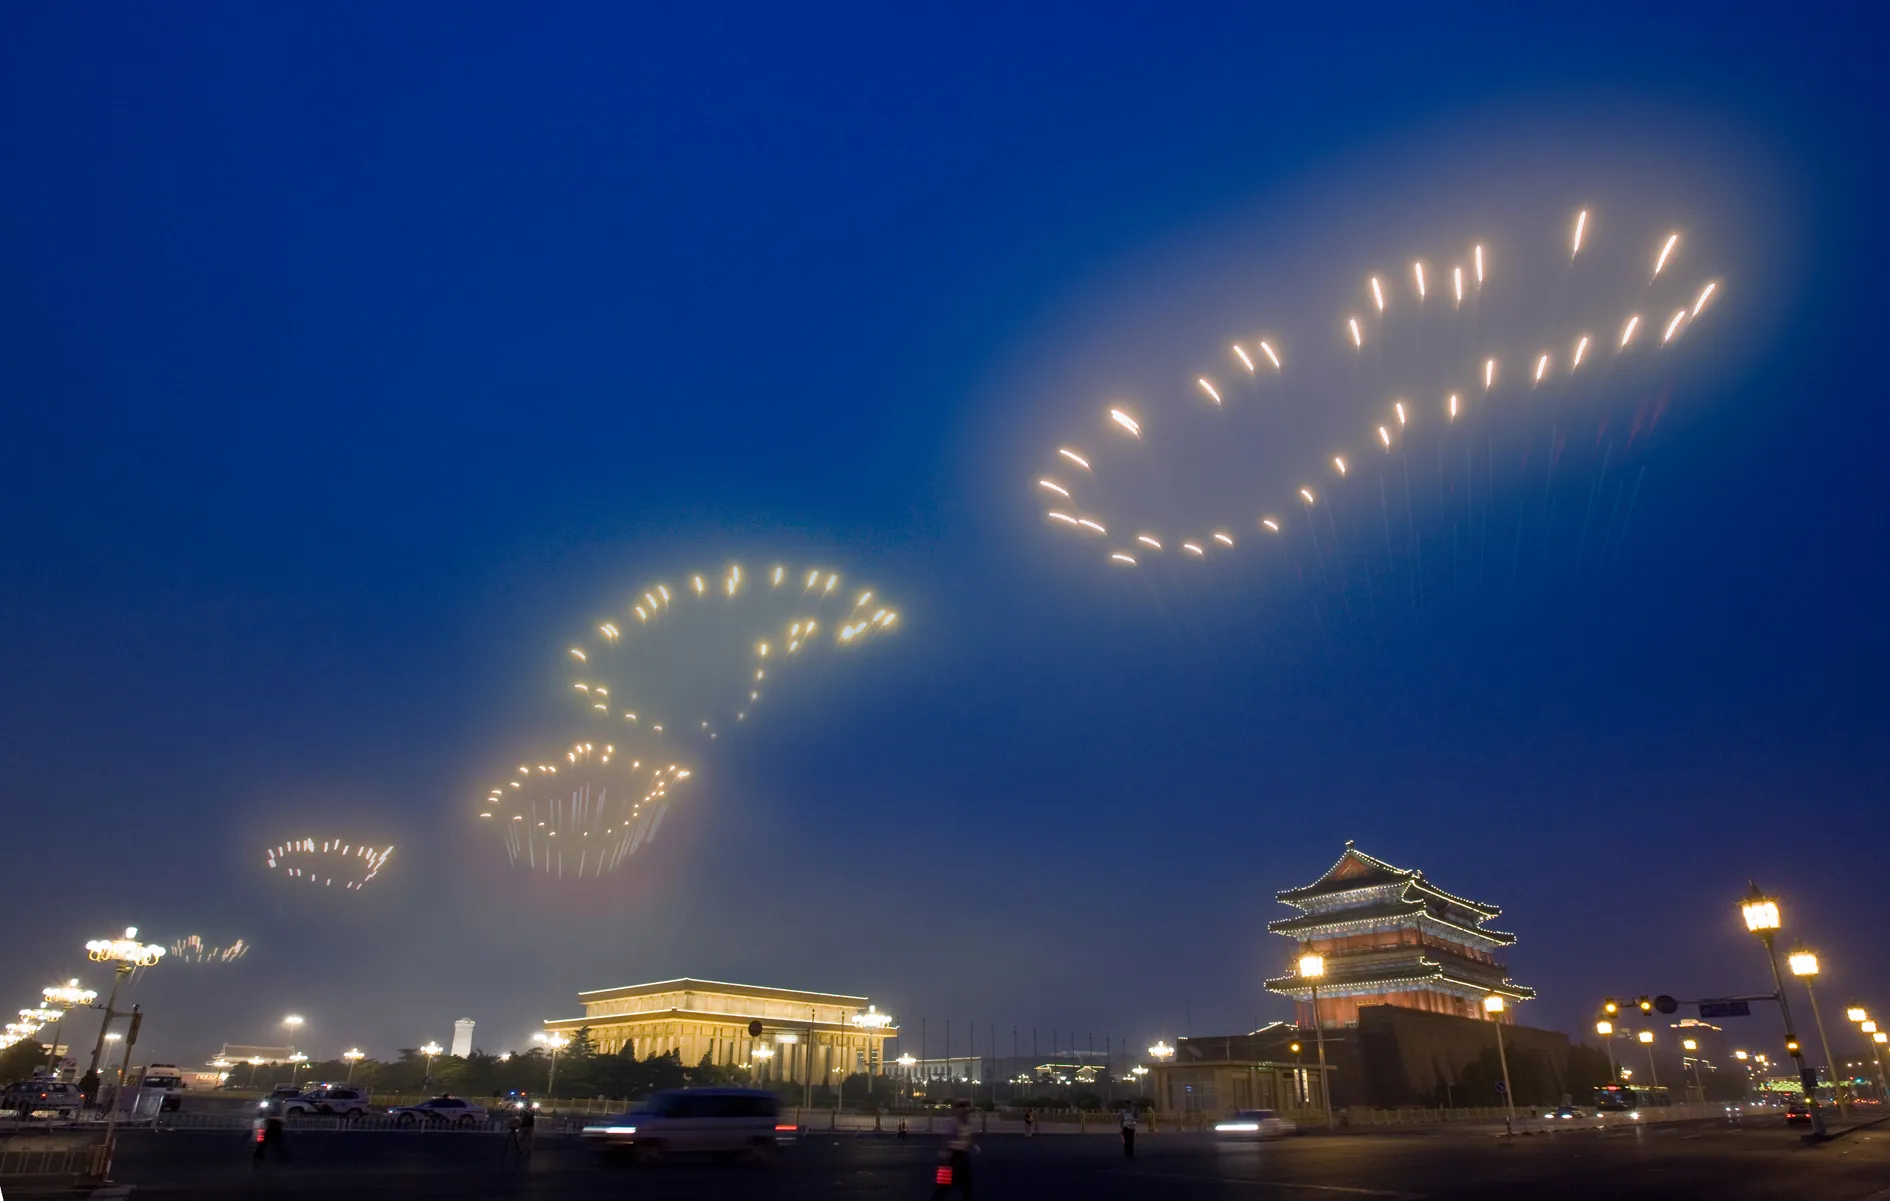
{"x":1493,"y":1004}
{"x":1312,"y":966}
{"x":1647,"y":1036}
{"x":1761,"y":913}
{"x":1804,"y":963}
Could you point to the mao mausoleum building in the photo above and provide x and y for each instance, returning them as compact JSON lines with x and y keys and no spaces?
{"x":783,"y":1034}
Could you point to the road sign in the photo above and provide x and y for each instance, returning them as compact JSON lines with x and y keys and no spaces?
{"x":1501,"y":1088}
{"x":1665,"y":1003}
{"x":754,"y":1028}
{"x":1725,"y":1009}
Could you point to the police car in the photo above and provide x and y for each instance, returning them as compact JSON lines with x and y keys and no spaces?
{"x":329,"y":1100}
{"x":444,"y":1110}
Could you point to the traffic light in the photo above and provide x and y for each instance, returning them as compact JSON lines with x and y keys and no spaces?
{"x":1610,"y":1006}
{"x":1646,"y":1004}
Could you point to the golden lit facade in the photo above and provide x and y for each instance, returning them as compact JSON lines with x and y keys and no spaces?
{"x":810,"y":1037}
{"x":1387,"y":936}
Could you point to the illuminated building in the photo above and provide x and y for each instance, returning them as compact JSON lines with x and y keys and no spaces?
{"x":1390,"y":937}
{"x":462,"y":1038}
{"x":808,"y":1036}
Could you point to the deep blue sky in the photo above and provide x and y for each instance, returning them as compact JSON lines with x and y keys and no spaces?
{"x":352,"y":359}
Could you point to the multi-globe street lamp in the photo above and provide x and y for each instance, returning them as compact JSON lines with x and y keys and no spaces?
{"x":1762,"y":918}
{"x":296,"y":1060}
{"x":430,"y":1050}
{"x":1493,"y":1005}
{"x":64,"y":998}
{"x":255,"y":1061}
{"x":126,"y":955}
{"x":1312,"y":969}
{"x":353,"y":1055}
{"x":1804,"y":965}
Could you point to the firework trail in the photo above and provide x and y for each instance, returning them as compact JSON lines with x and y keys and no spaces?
{"x":1549,"y":355}
{"x":327,"y":861}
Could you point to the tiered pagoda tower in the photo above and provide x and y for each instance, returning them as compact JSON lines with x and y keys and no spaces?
{"x":1391,"y":937}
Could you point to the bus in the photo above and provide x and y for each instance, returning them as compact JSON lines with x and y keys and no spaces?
{"x":1623,"y":1098}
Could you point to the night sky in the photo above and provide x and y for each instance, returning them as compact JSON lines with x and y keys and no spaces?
{"x":352,"y":361}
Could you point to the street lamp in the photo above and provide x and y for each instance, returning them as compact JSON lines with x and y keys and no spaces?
{"x":1647,"y":1040}
{"x":872,"y":1023}
{"x":126,"y":955}
{"x":1691,"y":1060}
{"x":1605,"y":1029}
{"x":1762,"y":918}
{"x":1855,"y":1013}
{"x":255,"y":1061}
{"x":63,"y":998}
{"x":1804,"y":964}
{"x":557,"y":1042}
{"x":353,"y":1055}
{"x":1312,"y":969}
{"x":296,"y":1060}
{"x":1493,"y":1005}
{"x":430,"y":1050}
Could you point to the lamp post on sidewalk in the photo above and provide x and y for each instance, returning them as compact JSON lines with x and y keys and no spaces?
{"x":1762,"y":918}
{"x":1493,"y":1005}
{"x":1804,"y":964}
{"x":1312,"y":969}
{"x":1653,"y":1073}
{"x":126,"y":955}
{"x":353,"y":1055}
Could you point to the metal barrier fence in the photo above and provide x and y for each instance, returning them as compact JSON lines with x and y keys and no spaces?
{"x":64,"y":1159}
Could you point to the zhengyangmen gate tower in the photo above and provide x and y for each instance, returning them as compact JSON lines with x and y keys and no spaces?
{"x":1391,"y":937}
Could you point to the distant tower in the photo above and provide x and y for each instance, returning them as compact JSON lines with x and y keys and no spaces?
{"x":462,"y":1037}
{"x":1391,"y":937}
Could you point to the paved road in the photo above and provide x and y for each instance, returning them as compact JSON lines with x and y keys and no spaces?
{"x":1766,"y":1164}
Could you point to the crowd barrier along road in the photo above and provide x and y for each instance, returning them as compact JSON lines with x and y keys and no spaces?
{"x":51,"y":1157}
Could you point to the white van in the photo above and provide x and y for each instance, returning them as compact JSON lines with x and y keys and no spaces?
{"x":695,"y":1121}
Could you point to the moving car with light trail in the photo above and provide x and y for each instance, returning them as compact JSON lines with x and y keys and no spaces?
{"x":1254,"y":1124}
{"x":696,"y":1121}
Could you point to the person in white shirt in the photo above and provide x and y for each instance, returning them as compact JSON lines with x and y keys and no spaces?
{"x":1128,"y":1131}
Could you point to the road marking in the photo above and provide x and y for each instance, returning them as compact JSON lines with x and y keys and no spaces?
{"x":1293,"y":1184}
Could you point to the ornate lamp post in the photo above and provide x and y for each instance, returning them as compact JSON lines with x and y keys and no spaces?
{"x":353,"y":1055}
{"x":296,"y":1060}
{"x":64,"y":997}
{"x":1761,"y":914}
{"x":1804,"y":965}
{"x":764,"y":1054}
{"x":126,"y":955}
{"x":255,"y":1061}
{"x":872,"y":1023}
{"x":1493,"y":1005}
{"x":1312,"y":969}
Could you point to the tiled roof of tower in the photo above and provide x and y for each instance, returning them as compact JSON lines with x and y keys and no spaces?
{"x":1355,"y":870}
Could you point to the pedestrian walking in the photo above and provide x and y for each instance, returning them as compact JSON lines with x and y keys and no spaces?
{"x":954,"y":1158}
{"x":1128,"y":1131}
{"x":524,"y":1127}
{"x":1030,"y":1123}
